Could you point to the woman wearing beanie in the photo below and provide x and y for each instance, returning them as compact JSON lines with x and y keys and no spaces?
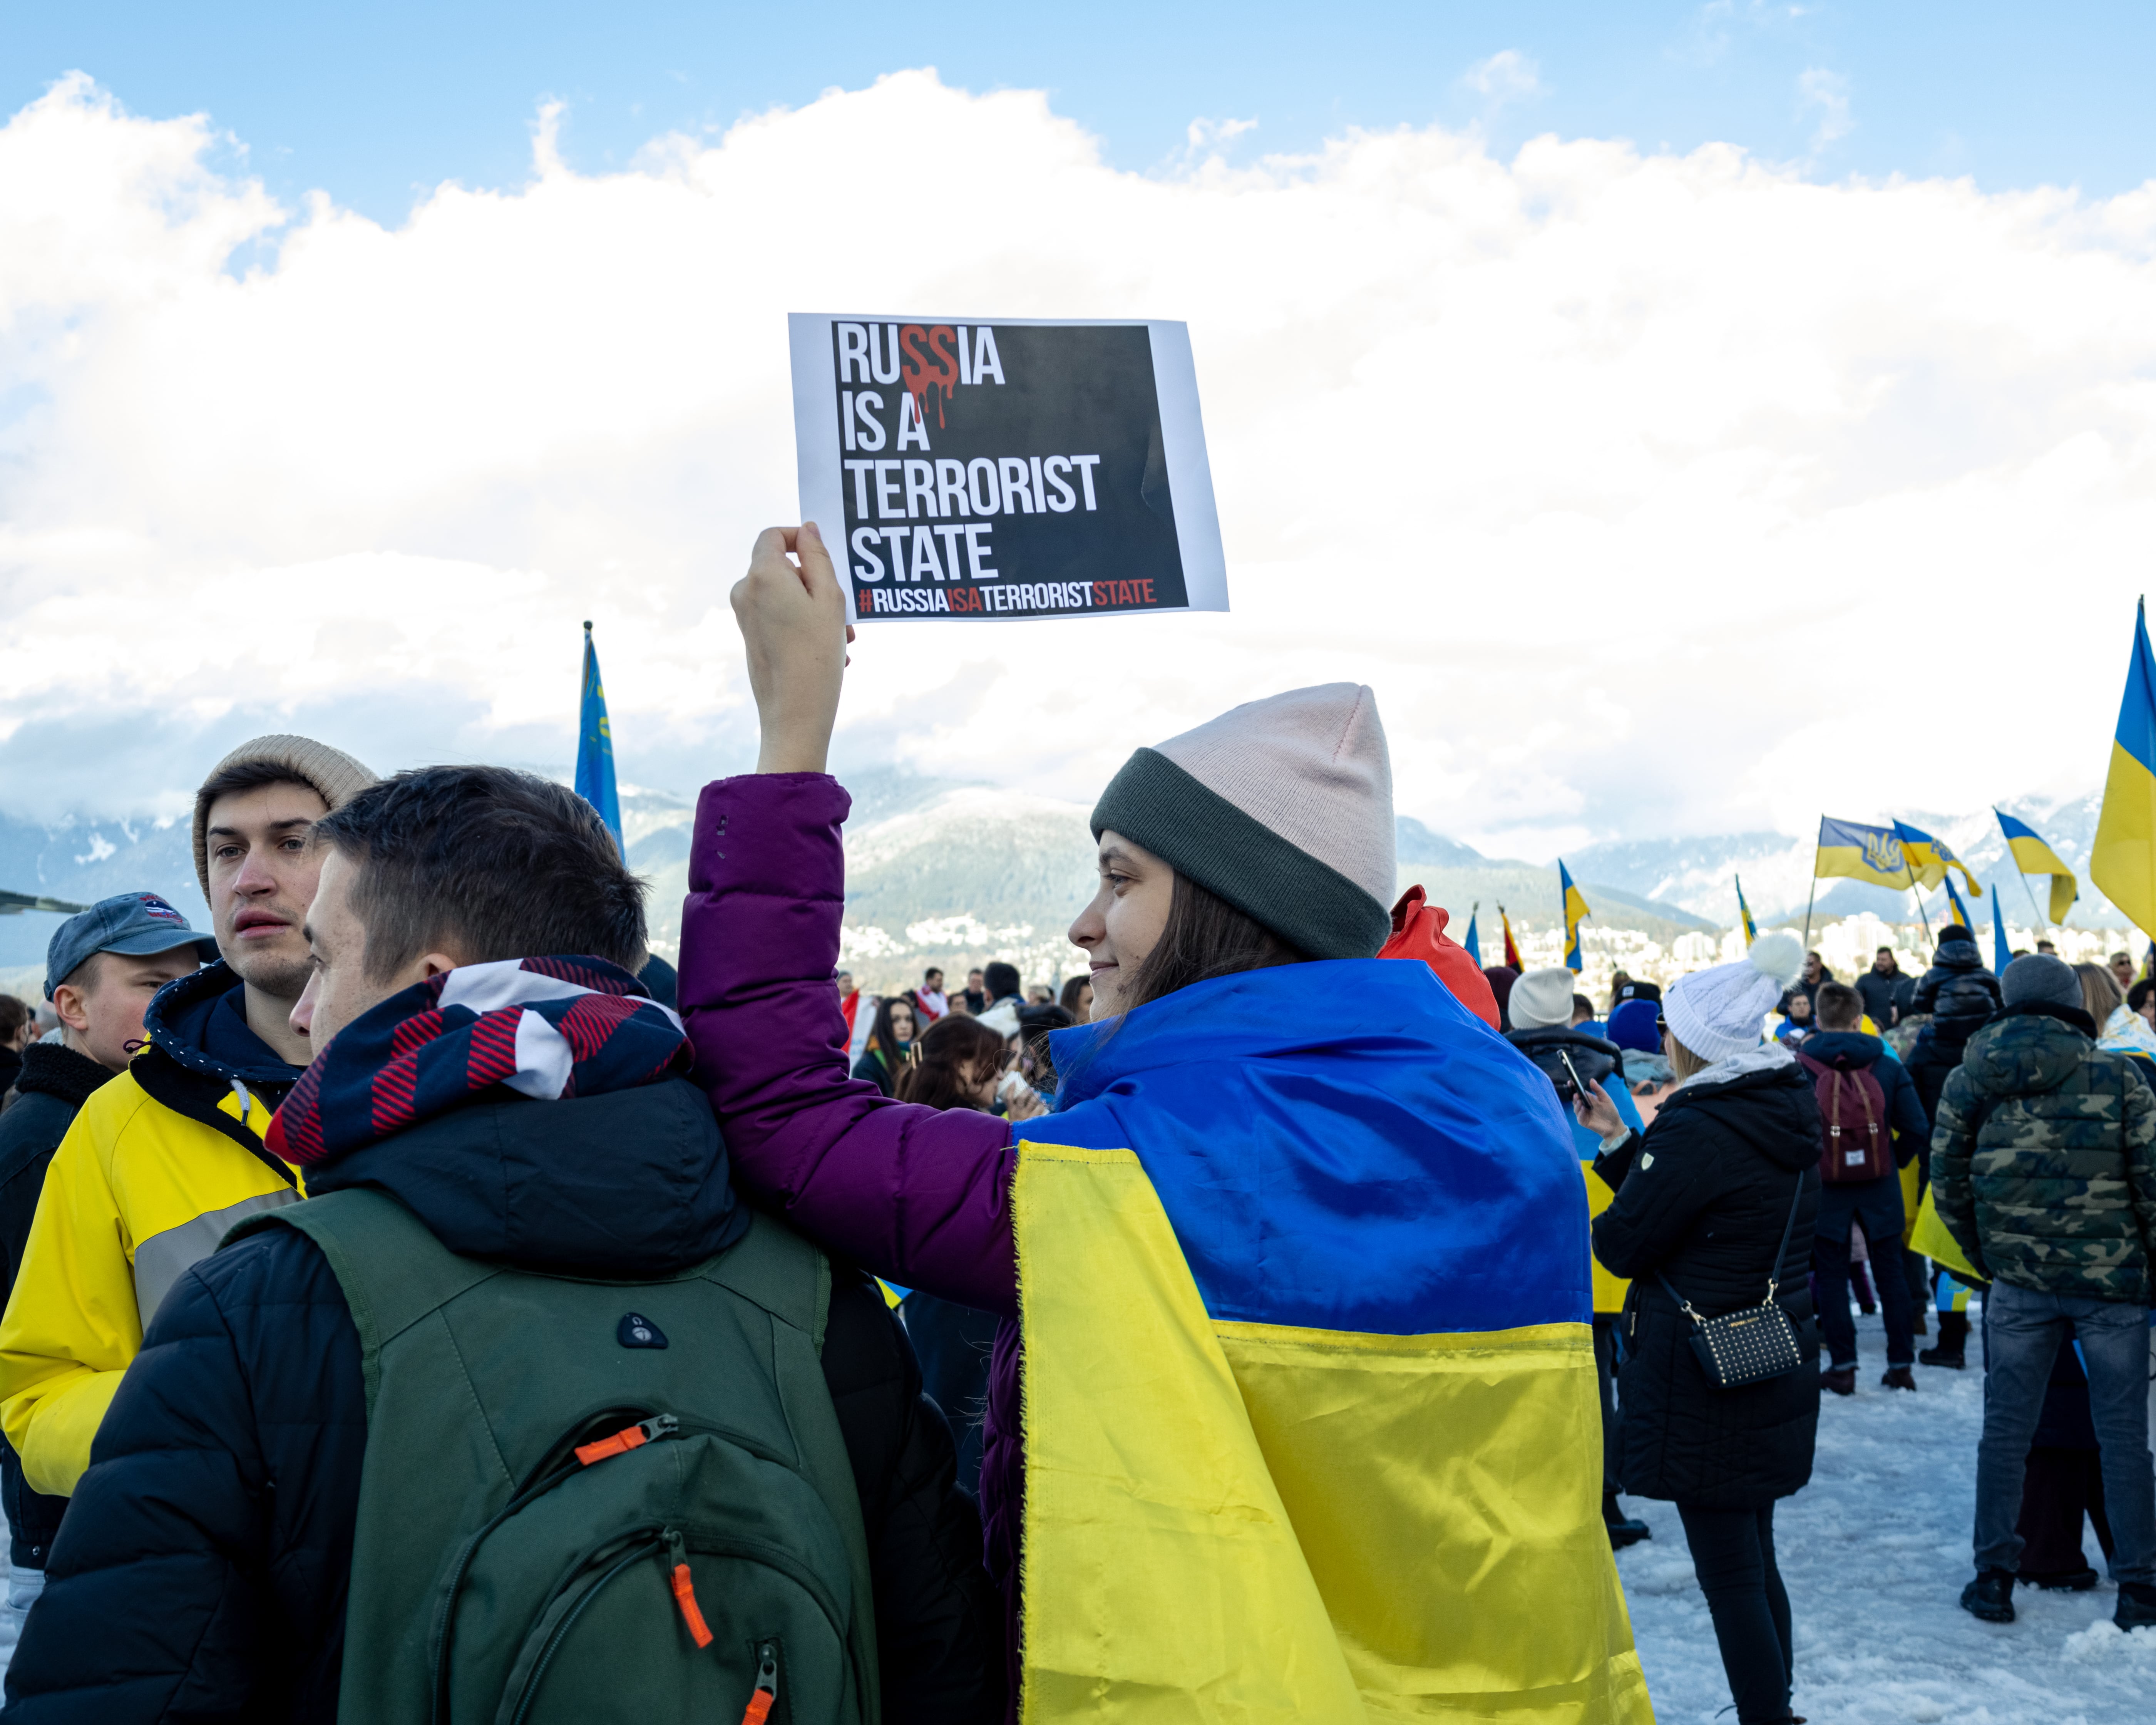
{"x":1298,"y":1253}
{"x":1706,"y":1198}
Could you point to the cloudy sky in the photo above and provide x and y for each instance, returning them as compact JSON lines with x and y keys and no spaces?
{"x":1753,"y":415}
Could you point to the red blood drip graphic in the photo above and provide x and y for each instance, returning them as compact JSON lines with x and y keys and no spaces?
{"x":929,"y":357}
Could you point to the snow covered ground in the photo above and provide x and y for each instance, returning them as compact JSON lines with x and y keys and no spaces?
{"x":1875,"y":1552}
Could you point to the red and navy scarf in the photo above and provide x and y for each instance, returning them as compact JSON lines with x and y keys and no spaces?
{"x":543,"y":1028}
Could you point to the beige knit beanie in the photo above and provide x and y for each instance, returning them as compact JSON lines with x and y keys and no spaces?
{"x":1283,"y":807}
{"x":1541,"y":1000}
{"x":334,"y":776}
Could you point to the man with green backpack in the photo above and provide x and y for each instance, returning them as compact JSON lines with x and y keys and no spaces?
{"x":523,"y":1416}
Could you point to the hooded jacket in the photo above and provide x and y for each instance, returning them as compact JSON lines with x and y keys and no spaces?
{"x":1855,"y":1051}
{"x":154,"y":1169}
{"x":2044,"y":1158}
{"x":928,"y":1199}
{"x":1959,"y":996}
{"x":53,"y":1084}
{"x":1702,"y":1197}
{"x":205,"y":1565}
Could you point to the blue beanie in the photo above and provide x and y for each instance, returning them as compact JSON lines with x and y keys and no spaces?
{"x":1632,"y":1026}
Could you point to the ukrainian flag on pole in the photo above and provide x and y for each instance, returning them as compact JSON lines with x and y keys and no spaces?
{"x":1575,"y":913}
{"x":1960,"y":911}
{"x":2032,"y":856}
{"x":1473,"y":942}
{"x":1744,"y":912}
{"x":595,"y":747}
{"x":1847,"y":848}
{"x":1929,"y":859}
{"x":2002,"y":954}
{"x":2123,"y":860}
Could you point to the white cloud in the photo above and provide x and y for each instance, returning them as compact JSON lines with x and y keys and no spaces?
{"x":1506,"y":76}
{"x":1826,"y":95}
{"x":1651,"y":492}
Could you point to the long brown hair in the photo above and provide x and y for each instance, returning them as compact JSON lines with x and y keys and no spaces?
{"x":1205,"y":937}
{"x":948,"y":1057}
{"x":2100,"y":995}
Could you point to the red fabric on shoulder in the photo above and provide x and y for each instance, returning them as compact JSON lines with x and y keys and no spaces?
{"x":1419,"y":932}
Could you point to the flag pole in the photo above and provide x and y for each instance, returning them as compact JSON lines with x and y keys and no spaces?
{"x":1918,"y":892}
{"x":2033,"y":910}
{"x":1808,"y":902}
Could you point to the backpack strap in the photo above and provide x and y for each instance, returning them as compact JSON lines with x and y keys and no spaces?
{"x":392,"y":1270}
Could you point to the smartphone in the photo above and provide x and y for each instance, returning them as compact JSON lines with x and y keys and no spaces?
{"x":1573,"y":1071}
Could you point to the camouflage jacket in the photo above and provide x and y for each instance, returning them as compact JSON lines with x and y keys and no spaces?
{"x":2044,"y":1159}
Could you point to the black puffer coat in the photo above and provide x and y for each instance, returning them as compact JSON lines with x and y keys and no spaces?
{"x":1703,"y":1199}
{"x":1960,"y":996}
{"x":203,"y":1568}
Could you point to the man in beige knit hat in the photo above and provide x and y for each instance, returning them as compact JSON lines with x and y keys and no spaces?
{"x":162,"y":1160}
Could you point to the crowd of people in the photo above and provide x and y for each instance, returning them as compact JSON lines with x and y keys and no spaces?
{"x":422,"y":1303}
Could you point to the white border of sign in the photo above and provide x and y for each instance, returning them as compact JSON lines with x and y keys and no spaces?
{"x":1182,"y":432}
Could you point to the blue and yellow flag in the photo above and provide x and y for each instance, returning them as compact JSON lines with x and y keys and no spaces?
{"x":2032,"y":857}
{"x":1744,"y":912}
{"x":1575,"y":913}
{"x":1860,"y":853}
{"x":1929,"y":859}
{"x":1311,"y":1427}
{"x":2122,"y":859}
{"x":1473,"y":942}
{"x":1957,"y":909}
{"x":595,"y":747}
{"x":2002,"y":955}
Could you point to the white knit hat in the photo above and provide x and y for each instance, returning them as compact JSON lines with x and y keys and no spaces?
{"x":1541,"y":1000}
{"x":1283,"y":807}
{"x":1722,"y":1012}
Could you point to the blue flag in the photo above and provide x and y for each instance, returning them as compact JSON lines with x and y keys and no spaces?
{"x":595,"y":747}
{"x":2001,"y":952}
{"x":1473,"y":942}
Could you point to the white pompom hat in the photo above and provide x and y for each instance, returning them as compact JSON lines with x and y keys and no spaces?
{"x":1721,"y":1012}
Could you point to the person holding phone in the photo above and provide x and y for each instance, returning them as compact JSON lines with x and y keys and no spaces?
{"x":1728,"y":1168}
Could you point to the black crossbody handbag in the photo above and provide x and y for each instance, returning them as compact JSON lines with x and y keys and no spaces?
{"x":1753,"y":1342}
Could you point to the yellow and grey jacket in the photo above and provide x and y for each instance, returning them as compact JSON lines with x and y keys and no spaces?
{"x":157,"y":1165}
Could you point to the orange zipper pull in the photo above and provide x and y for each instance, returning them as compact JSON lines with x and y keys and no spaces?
{"x":684,"y":1589}
{"x":629,"y":1437}
{"x":760,"y":1703}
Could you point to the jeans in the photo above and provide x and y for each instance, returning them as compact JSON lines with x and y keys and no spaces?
{"x":1880,"y":1214}
{"x":1732,"y":1553}
{"x":2023,"y":1331}
{"x":24,"y":1587}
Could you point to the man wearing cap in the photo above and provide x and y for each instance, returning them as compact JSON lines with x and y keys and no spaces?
{"x":166,"y":1157}
{"x":101,"y":970}
{"x":2044,"y":1170}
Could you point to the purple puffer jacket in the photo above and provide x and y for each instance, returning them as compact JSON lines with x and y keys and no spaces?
{"x":920,"y":1196}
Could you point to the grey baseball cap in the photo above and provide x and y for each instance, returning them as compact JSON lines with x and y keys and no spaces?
{"x":133,"y":923}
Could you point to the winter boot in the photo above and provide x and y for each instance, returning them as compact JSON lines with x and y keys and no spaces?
{"x":1990,"y":1596}
{"x":1624,"y":1530}
{"x":1841,"y":1379}
{"x":2059,"y":1581}
{"x":1899,"y":1377}
{"x":1953,"y":1337}
{"x":2137,"y":1606}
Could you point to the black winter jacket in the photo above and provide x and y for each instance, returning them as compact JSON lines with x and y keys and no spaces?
{"x":53,"y":1083}
{"x":204,"y":1569}
{"x":1959,"y":995}
{"x":1879,"y":993}
{"x":1703,"y":1199}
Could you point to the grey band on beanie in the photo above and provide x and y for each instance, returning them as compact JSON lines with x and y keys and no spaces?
{"x":1200,"y":834}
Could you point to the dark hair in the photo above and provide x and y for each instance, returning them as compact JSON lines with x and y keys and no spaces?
{"x":1205,"y":937}
{"x":944,"y":1061}
{"x":882,"y":1038}
{"x":2135,"y":996}
{"x":1035,"y":1058}
{"x":1068,"y":1000}
{"x":1581,"y":1003}
{"x":930,"y":971}
{"x":494,"y":862}
{"x":13,"y":1015}
{"x":1000,"y":980}
{"x":1838,"y":1007}
{"x":250,"y":776}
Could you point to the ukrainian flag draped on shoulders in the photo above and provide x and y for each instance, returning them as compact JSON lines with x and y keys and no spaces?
{"x":2122,"y":859}
{"x":1311,"y":1426}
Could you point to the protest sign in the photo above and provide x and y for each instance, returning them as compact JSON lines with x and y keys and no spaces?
{"x":1012,"y":468}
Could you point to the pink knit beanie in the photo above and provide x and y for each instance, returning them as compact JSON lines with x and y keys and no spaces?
{"x":1283,"y":807}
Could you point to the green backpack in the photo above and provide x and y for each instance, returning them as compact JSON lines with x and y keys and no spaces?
{"x":586,"y":1500}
